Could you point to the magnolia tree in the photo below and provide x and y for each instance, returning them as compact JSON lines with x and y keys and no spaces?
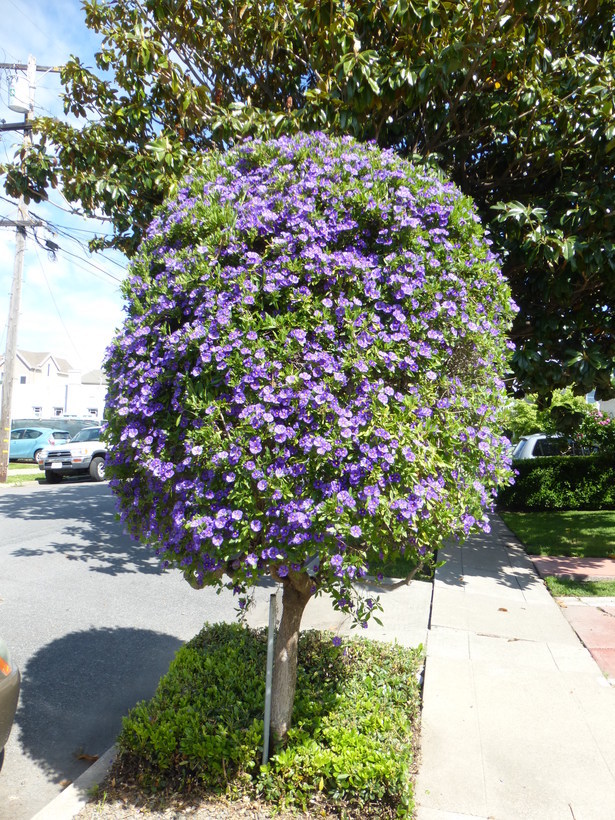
{"x":307,"y":376}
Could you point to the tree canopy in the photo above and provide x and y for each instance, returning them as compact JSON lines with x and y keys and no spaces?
{"x":306,"y":382}
{"x":512,"y":99}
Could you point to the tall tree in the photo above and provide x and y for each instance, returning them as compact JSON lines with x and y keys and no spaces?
{"x":513,"y":99}
{"x":307,"y":377}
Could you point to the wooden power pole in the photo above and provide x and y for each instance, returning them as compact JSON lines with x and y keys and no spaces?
{"x":21,"y":224}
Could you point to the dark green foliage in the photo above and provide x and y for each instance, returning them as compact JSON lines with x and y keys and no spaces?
{"x":352,"y":734}
{"x":351,"y":745}
{"x":513,"y":100}
{"x":561,"y":483}
{"x":205,"y":721}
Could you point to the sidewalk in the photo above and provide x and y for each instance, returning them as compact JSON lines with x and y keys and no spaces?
{"x":518,"y":720}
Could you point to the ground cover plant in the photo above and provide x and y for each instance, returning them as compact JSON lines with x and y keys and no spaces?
{"x":584,"y":534}
{"x":350,"y":752}
{"x":308,"y":372}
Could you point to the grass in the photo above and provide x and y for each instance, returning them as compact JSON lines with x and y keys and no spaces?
{"x":18,"y":466}
{"x":350,"y":753}
{"x":582,"y":534}
{"x":562,"y":587}
{"x":21,"y":471}
{"x":397,"y":567}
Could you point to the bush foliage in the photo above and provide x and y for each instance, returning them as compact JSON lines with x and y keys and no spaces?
{"x":309,"y":366}
{"x":352,"y":743}
{"x":561,"y":483}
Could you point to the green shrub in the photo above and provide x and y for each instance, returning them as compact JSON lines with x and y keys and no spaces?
{"x":355,"y":745}
{"x":205,"y":720}
{"x":561,"y":483}
{"x":351,"y":746}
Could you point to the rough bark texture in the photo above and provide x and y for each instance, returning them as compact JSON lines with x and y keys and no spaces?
{"x":296,"y":593}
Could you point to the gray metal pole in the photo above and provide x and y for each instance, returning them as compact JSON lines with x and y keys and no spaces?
{"x":269,"y":676}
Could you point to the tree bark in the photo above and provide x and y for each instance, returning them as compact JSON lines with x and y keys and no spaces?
{"x":297,"y":591}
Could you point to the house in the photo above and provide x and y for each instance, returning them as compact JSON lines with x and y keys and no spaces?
{"x":46,"y":386}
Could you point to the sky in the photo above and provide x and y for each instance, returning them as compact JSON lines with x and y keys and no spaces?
{"x":71,"y":306}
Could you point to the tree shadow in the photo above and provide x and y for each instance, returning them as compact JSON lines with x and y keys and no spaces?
{"x":91,"y":534}
{"x":75,"y":691}
{"x":497,"y":555}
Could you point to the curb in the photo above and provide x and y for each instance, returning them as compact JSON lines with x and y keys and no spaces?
{"x":74,"y":797}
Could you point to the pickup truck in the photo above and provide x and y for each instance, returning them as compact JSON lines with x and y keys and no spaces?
{"x":84,"y":454}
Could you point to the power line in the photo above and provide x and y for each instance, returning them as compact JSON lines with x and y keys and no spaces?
{"x":55,"y":304}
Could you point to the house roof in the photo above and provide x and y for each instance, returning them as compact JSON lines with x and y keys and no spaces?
{"x":94,"y":377}
{"x":36,"y":360}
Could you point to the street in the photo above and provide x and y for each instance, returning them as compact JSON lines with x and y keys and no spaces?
{"x":92,"y":623}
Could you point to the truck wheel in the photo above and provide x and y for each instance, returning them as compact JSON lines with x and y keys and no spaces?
{"x":52,"y":478}
{"x":97,"y":468}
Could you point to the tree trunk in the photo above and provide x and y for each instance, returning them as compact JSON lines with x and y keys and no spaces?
{"x":296,"y":593}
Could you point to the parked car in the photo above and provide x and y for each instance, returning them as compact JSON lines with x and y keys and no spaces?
{"x":28,"y":442}
{"x":84,"y":454}
{"x":542,"y":444}
{"x":10,"y":681}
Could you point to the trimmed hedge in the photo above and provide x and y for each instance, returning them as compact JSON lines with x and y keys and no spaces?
{"x":351,"y":749}
{"x":561,"y":483}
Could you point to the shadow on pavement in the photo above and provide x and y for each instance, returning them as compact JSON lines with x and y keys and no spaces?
{"x":76,"y":690}
{"x":91,"y":532}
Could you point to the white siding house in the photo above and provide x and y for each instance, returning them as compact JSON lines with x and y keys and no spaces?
{"x":47,"y":386}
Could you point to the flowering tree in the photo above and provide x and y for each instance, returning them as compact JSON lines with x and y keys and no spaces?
{"x":307,"y":375}
{"x":597,"y":429}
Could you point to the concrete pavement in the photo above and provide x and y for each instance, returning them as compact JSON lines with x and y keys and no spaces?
{"x":518,"y":720}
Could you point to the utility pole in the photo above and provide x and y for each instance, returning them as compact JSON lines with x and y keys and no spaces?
{"x":10,"y":356}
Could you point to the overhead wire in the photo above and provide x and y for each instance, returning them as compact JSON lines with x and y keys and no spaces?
{"x":55,"y":304}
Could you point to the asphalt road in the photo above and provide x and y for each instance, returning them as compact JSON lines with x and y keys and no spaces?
{"x":92,"y":623}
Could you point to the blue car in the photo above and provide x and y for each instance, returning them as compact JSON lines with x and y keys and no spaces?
{"x":28,"y":442}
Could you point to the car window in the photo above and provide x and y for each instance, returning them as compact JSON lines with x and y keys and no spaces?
{"x":519,"y":447}
{"x":551,"y":447}
{"x":32,"y":434}
{"x":87,"y":435}
{"x":61,"y":434}
{"x":15,"y":434}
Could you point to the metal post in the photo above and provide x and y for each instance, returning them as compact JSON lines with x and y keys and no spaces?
{"x":269,"y":676}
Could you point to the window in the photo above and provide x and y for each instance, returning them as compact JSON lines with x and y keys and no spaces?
{"x":22,"y":380}
{"x":37,"y":411}
{"x":93,"y":411}
{"x":57,"y":411}
{"x":551,"y":447}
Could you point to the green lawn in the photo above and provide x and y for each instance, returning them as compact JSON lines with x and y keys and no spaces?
{"x":21,"y":471}
{"x":582,"y":534}
{"x":562,"y":587}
